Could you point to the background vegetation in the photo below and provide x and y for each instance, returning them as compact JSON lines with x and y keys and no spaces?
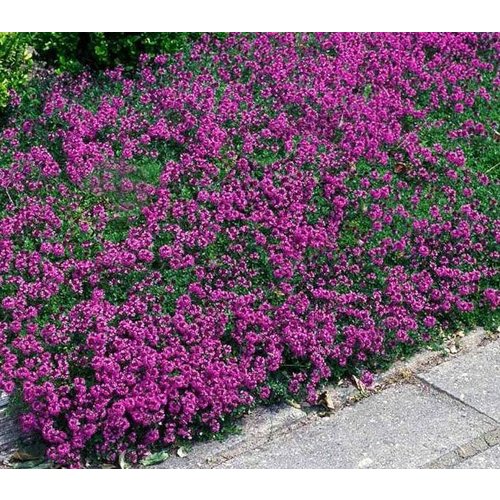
{"x":72,"y":52}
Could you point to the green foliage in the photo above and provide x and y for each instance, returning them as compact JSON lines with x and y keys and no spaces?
{"x":98,"y":50}
{"x":15,"y":64}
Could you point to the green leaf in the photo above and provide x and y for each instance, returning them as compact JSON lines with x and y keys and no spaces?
{"x":155,"y":458}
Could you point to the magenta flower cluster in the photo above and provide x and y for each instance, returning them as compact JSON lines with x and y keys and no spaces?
{"x":266,"y":209}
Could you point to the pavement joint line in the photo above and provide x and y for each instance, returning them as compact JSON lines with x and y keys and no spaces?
{"x":484,"y":341}
{"x":466,"y":451}
{"x":455,"y":398}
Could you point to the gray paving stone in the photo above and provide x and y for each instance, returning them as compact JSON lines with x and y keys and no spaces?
{"x":402,"y":427}
{"x":474,"y":378}
{"x":489,"y":459}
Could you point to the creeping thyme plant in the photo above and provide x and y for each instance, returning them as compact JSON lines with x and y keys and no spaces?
{"x":238,"y":223}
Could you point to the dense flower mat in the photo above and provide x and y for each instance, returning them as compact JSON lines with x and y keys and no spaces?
{"x":238,"y":224}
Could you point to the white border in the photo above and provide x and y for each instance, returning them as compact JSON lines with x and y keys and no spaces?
{"x":249,"y":484}
{"x":252,"y":15}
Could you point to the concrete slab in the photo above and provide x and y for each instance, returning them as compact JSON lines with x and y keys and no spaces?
{"x":473,"y":378}
{"x":402,"y":427}
{"x":489,"y":459}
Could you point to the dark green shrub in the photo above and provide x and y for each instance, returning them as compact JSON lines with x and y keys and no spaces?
{"x":98,"y":50}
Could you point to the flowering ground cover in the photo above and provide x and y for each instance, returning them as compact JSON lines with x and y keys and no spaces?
{"x":238,"y":224}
